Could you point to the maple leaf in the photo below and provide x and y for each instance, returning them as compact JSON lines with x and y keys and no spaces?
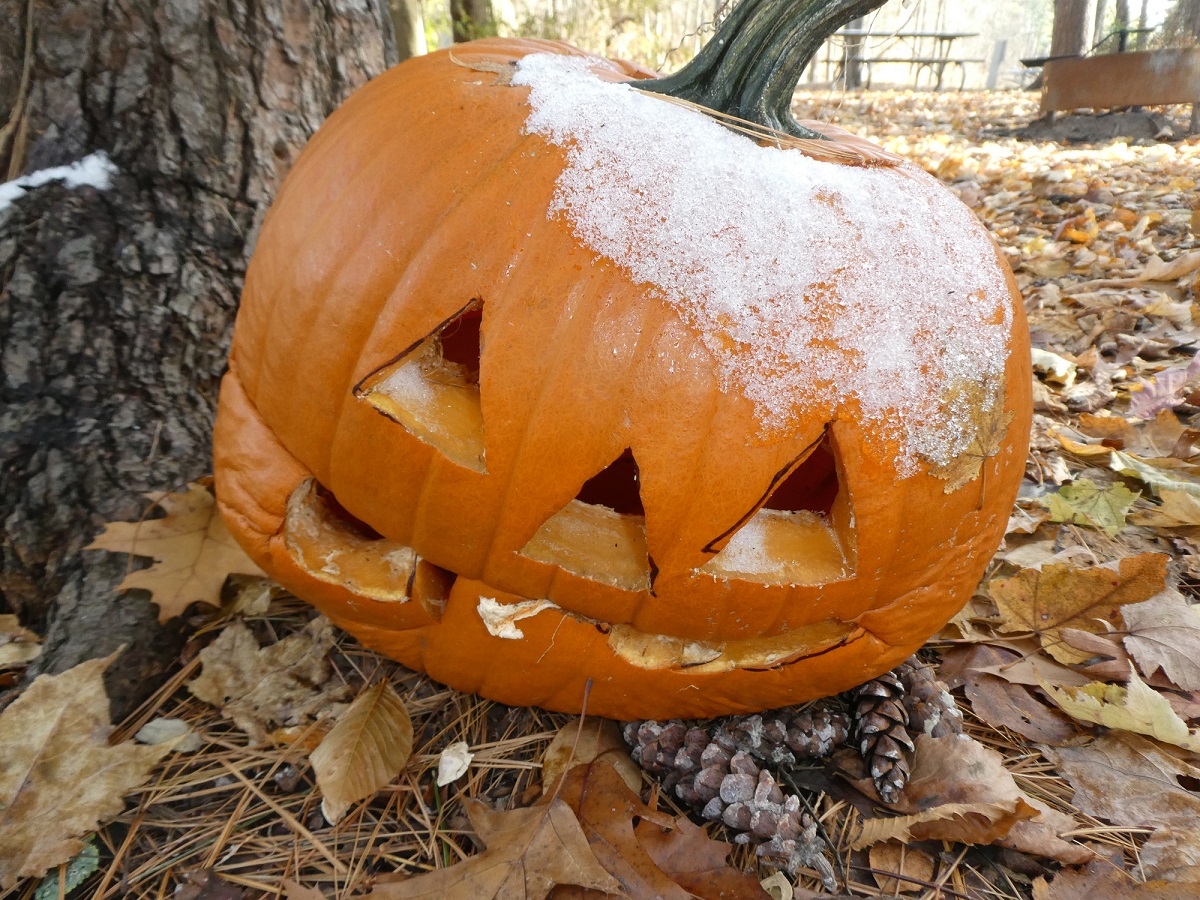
{"x":1062,"y":596}
{"x":365,"y":750}
{"x":1134,"y":707}
{"x":1165,"y":392}
{"x":1083,"y":503}
{"x":280,"y":684}
{"x":1122,"y":777}
{"x":1164,"y":633}
{"x":529,"y":851}
{"x":59,"y":778}
{"x":983,"y":406}
{"x":193,"y":552}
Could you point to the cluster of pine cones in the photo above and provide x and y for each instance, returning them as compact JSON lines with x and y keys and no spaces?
{"x":722,"y":767}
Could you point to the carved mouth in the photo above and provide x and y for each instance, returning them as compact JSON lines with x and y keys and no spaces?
{"x":331,"y":546}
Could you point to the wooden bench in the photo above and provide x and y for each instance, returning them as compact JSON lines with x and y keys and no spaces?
{"x":936,"y":65}
{"x":1144,"y":78}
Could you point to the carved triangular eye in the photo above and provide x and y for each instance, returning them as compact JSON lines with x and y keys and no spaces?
{"x":601,"y":534}
{"x":432,"y":389}
{"x":801,"y":532}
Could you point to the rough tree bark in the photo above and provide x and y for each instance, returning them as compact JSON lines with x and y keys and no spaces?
{"x":1070,"y":27}
{"x":116,"y":306}
{"x":1182,"y":26}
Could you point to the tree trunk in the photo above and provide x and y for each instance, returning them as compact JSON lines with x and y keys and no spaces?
{"x":118,"y":304}
{"x":1070,"y":27}
{"x":471,"y":19}
{"x":1182,"y":27}
{"x":409,"y":25}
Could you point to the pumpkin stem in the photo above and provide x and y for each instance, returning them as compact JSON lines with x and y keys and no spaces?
{"x":753,"y":63}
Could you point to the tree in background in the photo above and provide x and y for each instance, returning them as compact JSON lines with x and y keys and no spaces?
{"x":1182,"y":26}
{"x":1069,"y":36}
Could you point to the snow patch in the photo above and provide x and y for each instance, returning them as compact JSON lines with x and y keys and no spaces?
{"x":749,"y":244}
{"x":95,"y":170}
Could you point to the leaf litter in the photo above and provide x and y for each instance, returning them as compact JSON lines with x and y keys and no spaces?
{"x":1107,"y":526}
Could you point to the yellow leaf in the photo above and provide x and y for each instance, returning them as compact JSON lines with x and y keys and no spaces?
{"x":193,"y":552}
{"x":984,"y":408}
{"x":1178,"y":509}
{"x":1060,"y":596}
{"x":1134,"y":707}
{"x":367,"y":748}
{"x":59,"y":777}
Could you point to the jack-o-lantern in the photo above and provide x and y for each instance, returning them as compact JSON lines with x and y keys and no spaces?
{"x":543,"y":380}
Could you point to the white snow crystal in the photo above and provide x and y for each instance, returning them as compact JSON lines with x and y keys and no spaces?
{"x":750,"y":245}
{"x":96,"y":170}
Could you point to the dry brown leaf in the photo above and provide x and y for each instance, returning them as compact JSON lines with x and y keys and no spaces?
{"x":193,"y":552}
{"x":280,"y":685}
{"x":59,"y":778}
{"x":1060,"y":596}
{"x":991,"y":425}
{"x":598,"y":739}
{"x":900,"y":869}
{"x":529,"y":851}
{"x":1172,"y":854}
{"x":1164,"y":633}
{"x":1134,"y":707}
{"x":1013,"y":706}
{"x":365,"y":750}
{"x":18,"y":646}
{"x":293,"y":890}
{"x":960,"y":791}
{"x":697,"y":862}
{"x":1178,"y":509}
{"x":1104,"y":881}
{"x":1129,"y":779}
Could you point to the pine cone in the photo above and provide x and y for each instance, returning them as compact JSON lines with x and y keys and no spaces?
{"x":881,"y":733}
{"x":716,"y":770}
{"x":931,"y":708}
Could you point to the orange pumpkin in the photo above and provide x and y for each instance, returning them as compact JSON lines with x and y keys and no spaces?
{"x":518,"y":402}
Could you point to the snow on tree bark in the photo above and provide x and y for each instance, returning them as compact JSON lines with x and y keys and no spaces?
{"x":118,"y":304}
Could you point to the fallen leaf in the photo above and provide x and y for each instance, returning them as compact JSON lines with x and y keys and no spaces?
{"x":1164,"y":633}
{"x":1083,"y":503}
{"x":1165,"y":392}
{"x":574,"y":745}
{"x":1104,"y":881}
{"x":987,"y":413}
{"x":1178,"y":509}
{"x":18,"y":646}
{"x":1158,"y":475}
{"x":175,"y":732}
{"x":529,"y":851}
{"x":1135,"y":707}
{"x":898,"y":868}
{"x":364,"y":751}
{"x":960,"y":791}
{"x":1060,"y":596}
{"x":193,"y":552}
{"x":1157,"y":270}
{"x":1125,"y":778}
{"x":282,"y":684}
{"x":1013,"y":706}
{"x":296,"y":891}
{"x":453,"y":763}
{"x":1172,"y":854}
{"x":59,"y":778}
{"x":77,"y":872}
{"x":697,"y":862}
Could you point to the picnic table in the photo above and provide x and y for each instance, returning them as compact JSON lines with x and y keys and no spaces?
{"x":922,"y":51}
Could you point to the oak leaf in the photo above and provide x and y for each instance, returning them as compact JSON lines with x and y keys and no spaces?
{"x":192,"y":550}
{"x":368,"y":747}
{"x":1164,"y":633}
{"x":59,"y":777}
{"x":697,"y":862}
{"x":529,"y":851}
{"x":1104,"y":881}
{"x":262,"y":689}
{"x":1134,"y":707}
{"x":1061,"y":596}
{"x":576,"y":744}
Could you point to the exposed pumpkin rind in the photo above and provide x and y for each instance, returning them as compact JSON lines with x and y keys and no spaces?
{"x":577,"y":364}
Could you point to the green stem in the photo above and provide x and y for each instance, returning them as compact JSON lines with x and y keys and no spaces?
{"x":753,"y":63}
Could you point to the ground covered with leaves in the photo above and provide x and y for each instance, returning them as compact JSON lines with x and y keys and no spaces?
{"x":283,"y":760}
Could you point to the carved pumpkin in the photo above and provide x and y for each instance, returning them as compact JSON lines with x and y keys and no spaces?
{"x":541,"y":380}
